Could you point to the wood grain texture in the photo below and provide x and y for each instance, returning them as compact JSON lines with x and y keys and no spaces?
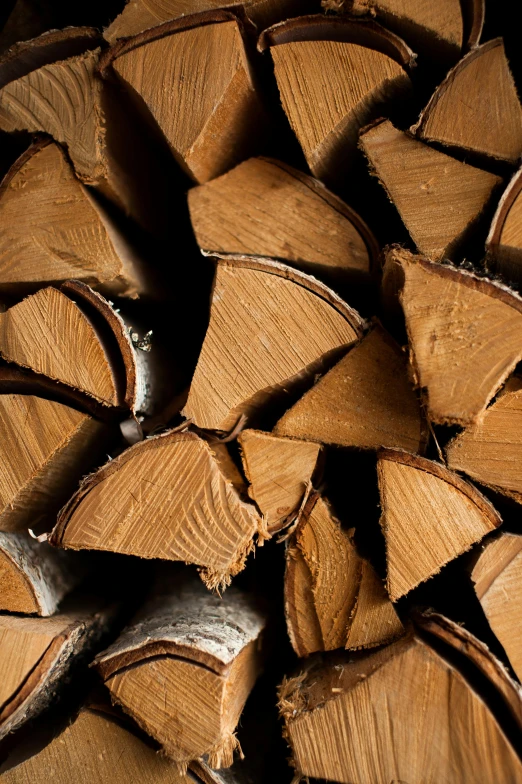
{"x":388,"y":704}
{"x":366,"y":401}
{"x":463,"y":333}
{"x":429,"y":516}
{"x":504,"y":241}
{"x":437,"y":197}
{"x":172,"y":497}
{"x":476,"y":108}
{"x":270,"y":328}
{"x":266,"y":208}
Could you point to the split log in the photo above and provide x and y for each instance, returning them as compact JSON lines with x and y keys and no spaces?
{"x":365,"y":401}
{"x":463,"y":333}
{"x":497,"y":578}
{"x":200,"y":54}
{"x":184,"y":668}
{"x":172,"y":496}
{"x":36,"y":656}
{"x":333,"y":597}
{"x":388,"y":703}
{"x":34,"y":577}
{"x":258,"y":346}
{"x":490,"y":451}
{"x":439,"y":198}
{"x":44,"y":450}
{"x":265,"y":208}
{"x":54,"y":230}
{"x":335,"y":76}
{"x":429,"y":516}
{"x":504,"y":241}
{"x":476,"y":108}
{"x":278,"y":470}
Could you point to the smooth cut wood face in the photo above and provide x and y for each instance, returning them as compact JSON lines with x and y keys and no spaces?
{"x":23,"y":642}
{"x":442,"y":19}
{"x":15,"y":589}
{"x":437,"y":197}
{"x":504,"y":242}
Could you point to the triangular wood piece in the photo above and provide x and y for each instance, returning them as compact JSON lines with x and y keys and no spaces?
{"x":374,"y":620}
{"x":278,"y":470}
{"x":172,"y":497}
{"x":388,"y":703}
{"x":44,"y":450}
{"x":438,"y":198}
{"x":334,"y":77}
{"x":476,"y":108}
{"x":504,"y":242}
{"x":365,"y":401}
{"x":429,"y":517}
{"x":258,"y":346}
{"x":464,"y":336}
{"x":184,"y":667}
{"x":266,"y":208}
{"x":497,"y":577}
{"x":34,"y":577}
{"x":490,"y":451}
{"x":204,"y":55}
{"x":54,"y":230}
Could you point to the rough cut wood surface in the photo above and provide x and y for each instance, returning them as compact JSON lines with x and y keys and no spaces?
{"x":172,"y":496}
{"x":258,"y":344}
{"x":438,"y":197}
{"x":388,"y":703}
{"x":366,"y":401}
{"x":504,"y":241}
{"x":44,"y":450}
{"x":429,"y":516}
{"x":53,"y":230}
{"x":464,"y":336}
{"x":476,"y":108}
{"x":497,"y":577}
{"x":34,"y":577}
{"x":278,"y":470}
{"x":265,"y":208}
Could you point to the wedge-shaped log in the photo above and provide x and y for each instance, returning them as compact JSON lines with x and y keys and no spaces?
{"x":278,"y":470}
{"x":266,"y":208}
{"x":365,"y":401}
{"x":410,"y":716}
{"x":34,"y":577}
{"x":271,"y":327}
{"x":334,"y":77}
{"x":204,"y":55}
{"x":333,"y":597}
{"x":497,"y":577}
{"x":173,"y":497}
{"x":184,"y":668}
{"x":476,"y":108}
{"x":36,"y":655}
{"x":44,"y":450}
{"x":438,"y":198}
{"x":53,"y":230}
{"x":429,"y":516}
{"x":464,"y":335}
{"x":504,"y":242}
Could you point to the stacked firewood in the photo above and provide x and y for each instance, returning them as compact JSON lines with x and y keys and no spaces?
{"x":260,"y":402}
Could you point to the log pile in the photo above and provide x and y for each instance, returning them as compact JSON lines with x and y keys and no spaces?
{"x":260,"y":392}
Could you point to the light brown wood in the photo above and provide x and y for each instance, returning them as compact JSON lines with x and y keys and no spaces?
{"x":464,"y":336}
{"x":53,"y":230}
{"x":504,"y":241}
{"x":184,"y":668}
{"x":173,"y":497}
{"x":429,"y":516}
{"x":34,"y":577}
{"x":490,"y":451}
{"x":497,"y":578}
{"x":44,"y":450}
{"x":476,"y":108}
{"x":258,"y":345}
{"x":200,"y":55}
{"x":366,"y":401}
{"x":266,"y":208}
{"x":388,"y":704}
{"x":438,"y":197}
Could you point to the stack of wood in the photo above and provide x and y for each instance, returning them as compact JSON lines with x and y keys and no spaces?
{"x":260,"y":402}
